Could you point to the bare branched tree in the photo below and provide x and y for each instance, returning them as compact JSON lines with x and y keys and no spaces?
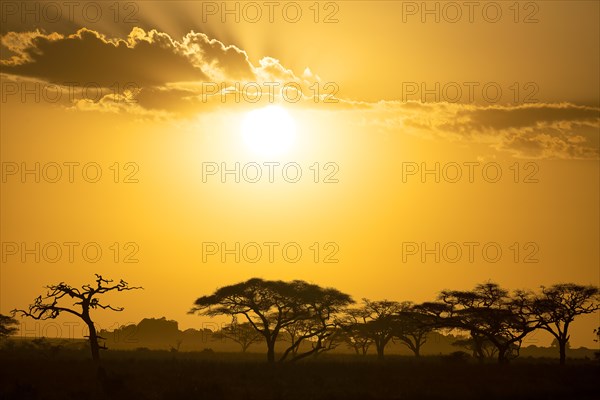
{"x":47,"y":307}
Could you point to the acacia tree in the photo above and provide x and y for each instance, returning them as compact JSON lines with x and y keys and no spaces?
{"x":557,"y":306}
{"x":294,"y":332}
{"x":442,"y":313}
{"x":48,"y":307}
{"x":354,"y":332}
{"x":330,"y":341}
{"x":322,"y":335}
{"x":481,"y":347}
{"x":488,"y":311}
{"x":381,"y":323}
{"x":271,"y":307}
{"x":243,"y":334}
{"x":412,"y":326}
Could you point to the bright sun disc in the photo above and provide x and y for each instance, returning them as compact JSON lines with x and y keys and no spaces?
{"x":269,"y":131}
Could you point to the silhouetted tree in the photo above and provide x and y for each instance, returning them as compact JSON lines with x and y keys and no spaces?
{"x":272,"y":306}
{"x":8,"y":326}
{"x":293,"y":332}
{"x":557,"y":306}
{"x":489,"y":311}
{"x":480,"y":347}
{"x":412,"y":325}
{"x":555,"y":344}
{"x":320,"y":328}
{"x":329,"y":341}
{"x":48,"y":307}
{"x":380,"y":325}
{"x":302,"y":330}
{"x":243,"y":334}
{"x":354,"y":330}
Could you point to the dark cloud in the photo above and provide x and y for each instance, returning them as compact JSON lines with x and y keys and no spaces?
{"x":145,"y":58}
{"x":565,"y":131}
{"x":89,"y":57}
{"x":538,"y":131}
{"x":552,"y":143}
{"x":499,"y":118}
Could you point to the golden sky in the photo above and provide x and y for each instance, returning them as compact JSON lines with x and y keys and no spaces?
{"x":509,"y":101}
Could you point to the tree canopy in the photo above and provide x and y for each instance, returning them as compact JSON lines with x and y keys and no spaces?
{"x":273,"y":306}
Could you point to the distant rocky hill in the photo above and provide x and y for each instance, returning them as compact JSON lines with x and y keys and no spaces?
{"x":163,"y":334}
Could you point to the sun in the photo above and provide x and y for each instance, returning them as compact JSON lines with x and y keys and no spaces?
{"x":269,"y":131}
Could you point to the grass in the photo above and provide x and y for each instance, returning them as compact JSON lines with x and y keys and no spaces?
{"x":164,"y":375}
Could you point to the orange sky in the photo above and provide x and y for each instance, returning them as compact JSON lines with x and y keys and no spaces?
{"x":157,"y":122}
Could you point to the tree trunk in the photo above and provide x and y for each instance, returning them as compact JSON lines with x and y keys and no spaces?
{"x":478,"y":348}
{"x":502,"y":359}
{"x":380,"y":349}
{"x":479,"y":354}
{"x":417,"y":350}
{"x":562,"y":346}
{"x":93,"y":338}
{"x":271,"y":351}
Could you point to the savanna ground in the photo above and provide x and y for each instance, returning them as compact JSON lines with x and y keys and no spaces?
{"x":165,"y":375}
